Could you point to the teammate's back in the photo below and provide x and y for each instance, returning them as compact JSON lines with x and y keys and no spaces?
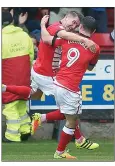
{"x":75,"y":61}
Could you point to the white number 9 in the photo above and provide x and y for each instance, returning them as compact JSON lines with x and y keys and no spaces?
{"x":74,"y":58}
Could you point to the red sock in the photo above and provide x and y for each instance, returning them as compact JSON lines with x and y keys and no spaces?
{"x":19,"y":90}
{"x":65,"y":137}
{"x":55,"y":115}
{"x":77,"y":133}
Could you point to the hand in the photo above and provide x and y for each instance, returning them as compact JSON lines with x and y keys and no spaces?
{"x":23,"y":18}
{"x":90,"y":44}
{"x":44,"y":20}
{"x":12,"y":12}
{"x":3,"y":88}
{"x":44,"y":12}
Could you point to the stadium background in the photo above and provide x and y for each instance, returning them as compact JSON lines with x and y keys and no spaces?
{"x":97,"y":86}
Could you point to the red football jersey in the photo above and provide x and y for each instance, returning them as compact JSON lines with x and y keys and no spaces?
{"x":48,"y":57}
{"x":75,"y":60}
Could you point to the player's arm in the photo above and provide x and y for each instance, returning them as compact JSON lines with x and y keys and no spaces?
{"x":46,"y":37}
{"x":75,"y":37}
{"x":51,"y":40}
{"x":91,"y":66}
{"x":94,"y":61}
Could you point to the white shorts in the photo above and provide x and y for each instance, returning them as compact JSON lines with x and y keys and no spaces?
{"x":44,"y":83}
{"x":67,"y":101}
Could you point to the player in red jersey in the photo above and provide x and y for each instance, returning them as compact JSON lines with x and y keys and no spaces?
{"x":47,"y":62}
{"x":86,"y":143}
{"x":76,"y":59}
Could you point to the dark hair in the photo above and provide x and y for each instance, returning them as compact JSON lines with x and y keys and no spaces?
{"x":76,"y":14}
{"x":17,"y":11}
{"x":6,"y":18}
{"x":89,"y":23}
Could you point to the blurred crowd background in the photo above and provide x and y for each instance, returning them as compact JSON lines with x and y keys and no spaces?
{"x":103,"y":15}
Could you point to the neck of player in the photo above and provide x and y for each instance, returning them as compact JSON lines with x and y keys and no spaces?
{"x":87,"y":34}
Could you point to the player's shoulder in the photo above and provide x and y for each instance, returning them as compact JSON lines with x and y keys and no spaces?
{"x":55,"y":25}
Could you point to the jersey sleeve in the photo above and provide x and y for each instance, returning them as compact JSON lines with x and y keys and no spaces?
{"x":57,"y":41}
{"x":54,"y":29}
{"x":95,"y":58}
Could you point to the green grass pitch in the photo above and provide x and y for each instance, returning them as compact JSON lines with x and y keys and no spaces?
{"x":43,"y":150}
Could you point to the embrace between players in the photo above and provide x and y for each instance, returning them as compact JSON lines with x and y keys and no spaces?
{"x":77,"y":53}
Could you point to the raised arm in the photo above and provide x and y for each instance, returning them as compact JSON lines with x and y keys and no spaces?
{"x":46,"y":37}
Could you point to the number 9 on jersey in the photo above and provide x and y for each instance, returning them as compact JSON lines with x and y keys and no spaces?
{"x":72,"y":55}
